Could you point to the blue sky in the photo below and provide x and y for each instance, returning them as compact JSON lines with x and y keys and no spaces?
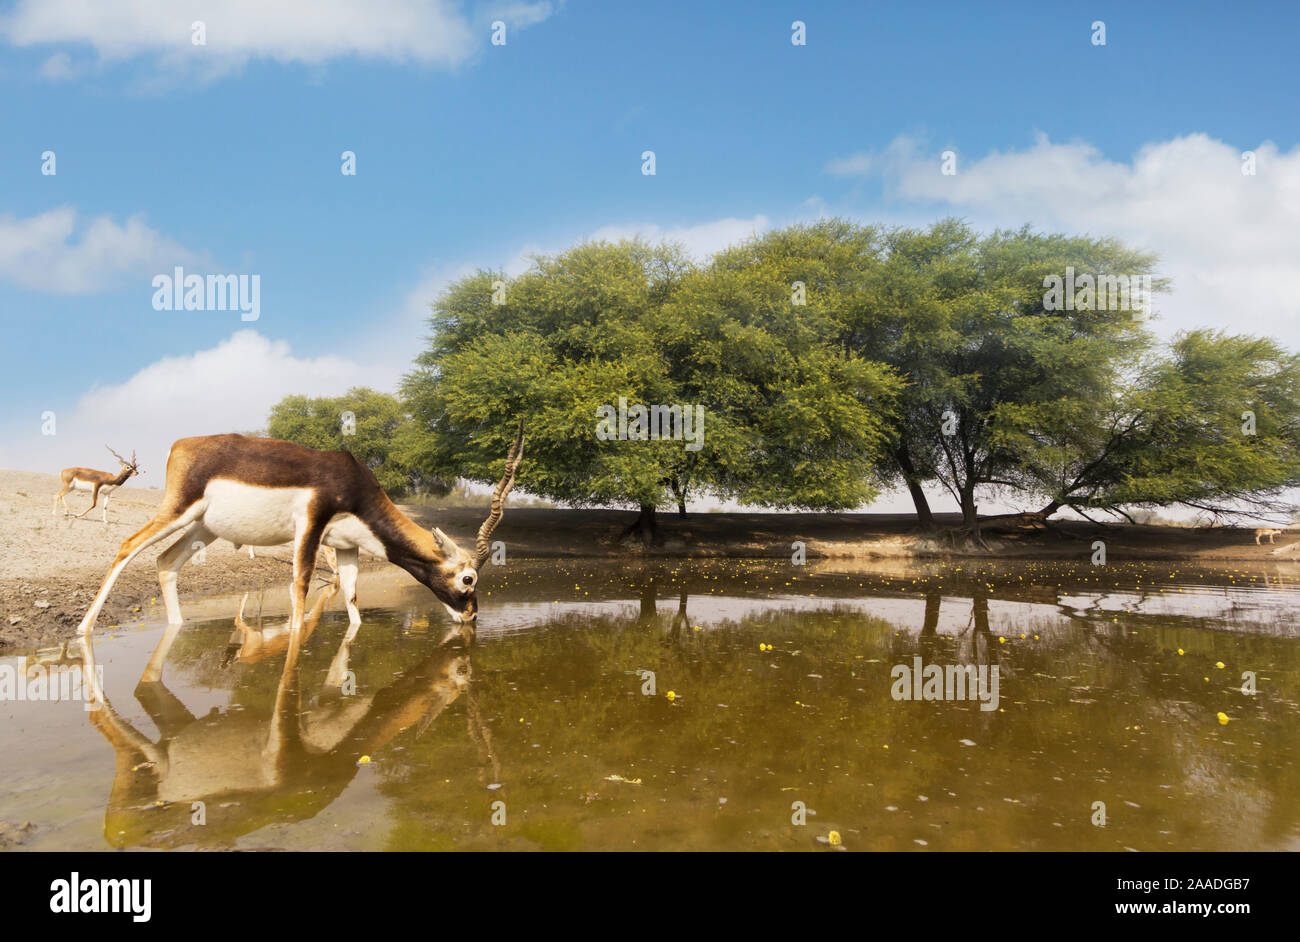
{"x":226,"y":158}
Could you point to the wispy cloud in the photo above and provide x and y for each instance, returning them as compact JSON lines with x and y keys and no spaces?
{"x":53,"y":253}
{"x":438,"y":33}
{"x":227,"y":388}
{"x":1228,"y":240}
{"x":856,"y":165}
{"x":701,"y":240}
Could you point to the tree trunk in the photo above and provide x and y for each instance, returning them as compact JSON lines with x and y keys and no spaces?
{"x":679,"y":491}
{"x":933,"y":600}
{"x":645,"y":527}
{"x":970,"y":517}
{"x":648,"y":607}
{"x":980,"y":615}
{"x":924,"y":517}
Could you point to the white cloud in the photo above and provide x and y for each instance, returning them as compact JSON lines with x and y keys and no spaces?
{"x":52,"y":253}
{"x":856,"y":165}
{"x":701,"y":240}
{"x":1229,"y":241}
{"x":228,"y":388}
{"x":430,"y":32}
{"x":58,"y":68}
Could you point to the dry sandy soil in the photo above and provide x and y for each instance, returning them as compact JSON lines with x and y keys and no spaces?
{"x":51,"y":566}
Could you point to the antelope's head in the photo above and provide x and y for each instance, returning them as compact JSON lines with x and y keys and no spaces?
{"x":130,"y":467}
{"x":454,"y":577}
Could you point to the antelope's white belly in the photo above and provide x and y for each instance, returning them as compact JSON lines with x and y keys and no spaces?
{"x":80,"y":485}
{"x":348,"y":531}
{"x":256,"y":516}
{"x":267,"y":516}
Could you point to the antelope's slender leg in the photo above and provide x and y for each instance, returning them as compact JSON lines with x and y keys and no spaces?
{"x":338,"y":668}
{"x":284,"y":730}
{"x":94,"y":499}
{"x":124,"y":737}
{"x":152,"y":673}
{"x":107,"y":498}
{"x":306,"y":543}
{"x":54,"y":508}
{"x":482,"y":736}
{"x":347,"y":566}
{"x":159,"y":528}
{"x":172,"y":559}
{"x":164,"y":708}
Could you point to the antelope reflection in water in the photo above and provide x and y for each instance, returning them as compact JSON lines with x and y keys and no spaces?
{"x":254,"y":768}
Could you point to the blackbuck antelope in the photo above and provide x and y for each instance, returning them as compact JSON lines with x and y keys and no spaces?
{"x":262,"y":492}
{"x":88,"y":479}
{"x":1269,"y":532}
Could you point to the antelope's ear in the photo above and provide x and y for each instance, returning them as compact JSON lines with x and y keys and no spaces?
{"x":445,"y":543}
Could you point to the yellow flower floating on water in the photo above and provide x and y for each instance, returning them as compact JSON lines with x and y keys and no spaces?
{"x":1223,"y":719}
{"x":364,"y":760}
{"x":1181,"y":652}
{"x":671,"y":695}
{"x":834,"y":838}
{"x":1220,"y":665}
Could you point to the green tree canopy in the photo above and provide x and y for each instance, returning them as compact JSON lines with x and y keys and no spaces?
{"x":380,"y":435}
{"x":1212,"y":422}
{"x":789,"y":419}
{"x":831,"y":359}
{"x":964,"y":320}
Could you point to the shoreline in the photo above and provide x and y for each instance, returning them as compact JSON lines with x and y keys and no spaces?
{"x":51,"y":565}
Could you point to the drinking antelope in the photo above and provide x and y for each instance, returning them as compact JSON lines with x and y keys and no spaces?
{"x":88,"y":479}
{"x":262,"y":492}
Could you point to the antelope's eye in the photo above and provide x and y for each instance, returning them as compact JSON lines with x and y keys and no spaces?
{"x":467,"y":579}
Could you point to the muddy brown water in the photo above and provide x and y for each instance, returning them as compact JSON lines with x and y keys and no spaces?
{"x":555,"y":728}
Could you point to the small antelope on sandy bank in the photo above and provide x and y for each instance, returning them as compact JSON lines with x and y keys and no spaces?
{"x":1268,"y":532}
{"x":88,"y":479}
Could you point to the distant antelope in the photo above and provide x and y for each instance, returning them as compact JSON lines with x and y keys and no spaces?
{"x":263,"y":492}
{"x":1268,"y":532}
{"x":88,"y":479}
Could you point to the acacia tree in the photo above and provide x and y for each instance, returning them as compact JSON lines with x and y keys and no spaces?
{"x":755,"y":336}
{"x":788,"y":418}
{"x":379,"y":434}
{"x":1213,"y":423}
{"x":964,"y":321}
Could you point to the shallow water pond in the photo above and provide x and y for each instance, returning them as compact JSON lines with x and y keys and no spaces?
{"x":694,"y":705}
